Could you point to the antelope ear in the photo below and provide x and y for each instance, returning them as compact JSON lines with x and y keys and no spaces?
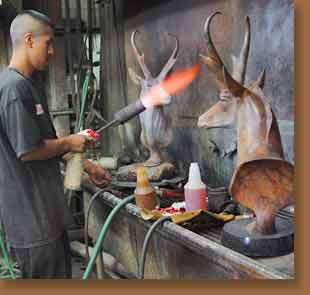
{"x":258,"y":85}
{"x":260,"y":82}
{"x":134,"y":76}
{"x":234,"y":87}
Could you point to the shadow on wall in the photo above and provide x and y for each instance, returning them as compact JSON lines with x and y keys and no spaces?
{"x":138,"y":7}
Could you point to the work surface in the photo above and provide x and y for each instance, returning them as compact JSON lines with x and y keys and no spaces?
{"x":176,"y":252}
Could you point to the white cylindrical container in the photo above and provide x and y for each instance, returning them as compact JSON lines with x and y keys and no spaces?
{"x":108,"y":162}
{"x":74,"y":172}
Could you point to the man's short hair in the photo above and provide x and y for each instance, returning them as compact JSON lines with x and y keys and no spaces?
{"x":28,"y":21}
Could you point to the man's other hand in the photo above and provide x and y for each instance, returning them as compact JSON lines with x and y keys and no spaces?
{"x":97,"y":174}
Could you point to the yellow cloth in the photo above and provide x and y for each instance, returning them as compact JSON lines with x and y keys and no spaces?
{"x":179,"y":218}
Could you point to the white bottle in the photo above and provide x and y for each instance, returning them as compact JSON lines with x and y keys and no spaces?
{"x":195,"y":190}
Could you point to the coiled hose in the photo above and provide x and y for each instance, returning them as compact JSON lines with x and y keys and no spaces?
{"x":105,"y":228}
{"x":6,"y":259}
{"x":146,"y":241}
{"x":103,"y":233}
{"x":90,"y":204}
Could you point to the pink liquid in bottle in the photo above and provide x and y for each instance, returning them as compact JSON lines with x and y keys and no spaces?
{"x":195,"y":190}
{"x":195,"y":199}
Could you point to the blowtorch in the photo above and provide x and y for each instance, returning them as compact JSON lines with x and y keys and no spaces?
{"x":159,"y":94}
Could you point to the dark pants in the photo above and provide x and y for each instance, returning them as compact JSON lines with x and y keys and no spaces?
{"x":50,"y":261}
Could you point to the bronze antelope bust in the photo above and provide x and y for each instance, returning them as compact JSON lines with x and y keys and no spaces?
{"x":262,"y":180}
{"x":156,"y":129}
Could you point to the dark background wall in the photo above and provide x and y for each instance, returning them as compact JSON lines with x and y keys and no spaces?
{"x":272,"y":48}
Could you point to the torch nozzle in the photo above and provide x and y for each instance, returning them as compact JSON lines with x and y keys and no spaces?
{"x":159,"y":94}
{"x":124,"y":115}
{"x":101,"y":129}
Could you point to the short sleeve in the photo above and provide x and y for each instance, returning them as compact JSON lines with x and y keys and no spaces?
{"x":20,"y":127}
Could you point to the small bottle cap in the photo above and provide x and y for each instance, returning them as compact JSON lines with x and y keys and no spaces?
{"x":194,"y":178}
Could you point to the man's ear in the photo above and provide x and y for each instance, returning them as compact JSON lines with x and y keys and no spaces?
{"x":29,"y":39}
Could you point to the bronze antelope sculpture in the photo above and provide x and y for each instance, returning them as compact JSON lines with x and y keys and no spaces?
{"x":262,"y":180}
{"x":156,"y":130}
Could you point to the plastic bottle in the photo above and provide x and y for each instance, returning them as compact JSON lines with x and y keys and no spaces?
{"x":195,"y":190}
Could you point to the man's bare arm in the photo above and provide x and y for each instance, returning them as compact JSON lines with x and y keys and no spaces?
{"x":51,"y":148}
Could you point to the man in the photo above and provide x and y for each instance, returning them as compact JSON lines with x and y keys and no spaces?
{"x":32,"y":203}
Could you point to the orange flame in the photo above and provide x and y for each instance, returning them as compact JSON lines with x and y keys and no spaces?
{"x":174,"y":84}
{"x":180,"y":80}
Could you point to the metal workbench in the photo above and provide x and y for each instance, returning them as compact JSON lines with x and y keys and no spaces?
{"x":176,"y":252}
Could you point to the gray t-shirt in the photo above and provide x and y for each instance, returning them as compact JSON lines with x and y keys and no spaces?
{"x":32,"y":202}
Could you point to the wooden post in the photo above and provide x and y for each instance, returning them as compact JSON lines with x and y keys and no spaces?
{"x":58,"y":98}
{"x":3,"y":49}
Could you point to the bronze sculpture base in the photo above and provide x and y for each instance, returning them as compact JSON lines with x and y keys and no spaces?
{"x":157,"y":173}
{"x":236,"y":236}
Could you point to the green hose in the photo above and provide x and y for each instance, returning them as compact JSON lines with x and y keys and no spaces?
{"x":103,"y":233}
{"x":83,"y":99}
{"x":6,"y":259}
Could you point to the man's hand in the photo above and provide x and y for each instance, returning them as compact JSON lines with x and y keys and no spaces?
{"x":98,"y":175}
{"x":77,"y":143}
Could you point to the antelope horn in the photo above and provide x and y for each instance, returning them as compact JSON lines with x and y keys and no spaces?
{"x":216,"y":65}
{"x":171,"y":61}
{"x":140,"y":57}
{"x":240,"y":64}
{"x":213,"y":59}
